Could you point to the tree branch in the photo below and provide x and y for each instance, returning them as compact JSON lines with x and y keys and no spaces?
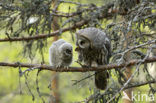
{"x":79,"y":69}
{"x":104,"y":14}
{"x":92,"y":97}
{"x":140,"y":84}
{"x":43,"y":36}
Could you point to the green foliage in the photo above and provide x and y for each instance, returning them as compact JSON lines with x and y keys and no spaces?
{"x":16,"y":25}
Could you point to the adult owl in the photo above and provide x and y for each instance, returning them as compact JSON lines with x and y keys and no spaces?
{"x":94,"y":49}
{"x":60,"y":54}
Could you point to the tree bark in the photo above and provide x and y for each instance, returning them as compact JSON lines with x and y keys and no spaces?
{"x":55,"y":81}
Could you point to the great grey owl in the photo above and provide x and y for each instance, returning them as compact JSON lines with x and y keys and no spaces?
{"x":60,"y":54}
{"x":94,"y":49}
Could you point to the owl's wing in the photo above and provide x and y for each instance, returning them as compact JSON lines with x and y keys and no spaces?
{"x":52,"y":54}
{"x":107,"y":45}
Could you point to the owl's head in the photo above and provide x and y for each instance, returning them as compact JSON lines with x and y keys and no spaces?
{"x":91,"y":38}
{"x":66,"y":49}
{"x":84,"y":38}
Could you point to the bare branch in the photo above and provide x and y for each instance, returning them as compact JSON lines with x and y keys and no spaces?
{"x":140,"y":84}
{"x":79,"y":69}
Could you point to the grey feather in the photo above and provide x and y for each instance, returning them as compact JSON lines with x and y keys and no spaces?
{"x":94,"y":47}
{"x":60,"y":54}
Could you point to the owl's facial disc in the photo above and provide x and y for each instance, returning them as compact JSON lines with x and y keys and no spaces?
{"x":68,"y":52}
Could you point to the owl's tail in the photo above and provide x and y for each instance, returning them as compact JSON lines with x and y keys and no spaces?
{"x":101,"y":79}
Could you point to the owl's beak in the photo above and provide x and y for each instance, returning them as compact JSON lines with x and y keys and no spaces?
{"x":77,"y":49}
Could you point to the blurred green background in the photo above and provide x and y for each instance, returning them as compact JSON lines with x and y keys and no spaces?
{"x":9,"y":77}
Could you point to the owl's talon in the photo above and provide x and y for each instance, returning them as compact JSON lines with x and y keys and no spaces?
{"x":59,"y":66}
{"x":67,"y":67}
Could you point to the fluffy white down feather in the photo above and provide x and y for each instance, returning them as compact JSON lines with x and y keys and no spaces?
{"x":57,"y":54}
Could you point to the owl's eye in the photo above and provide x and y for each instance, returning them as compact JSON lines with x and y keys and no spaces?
{"x":82,"y":42}
{"x":68,"y":51}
